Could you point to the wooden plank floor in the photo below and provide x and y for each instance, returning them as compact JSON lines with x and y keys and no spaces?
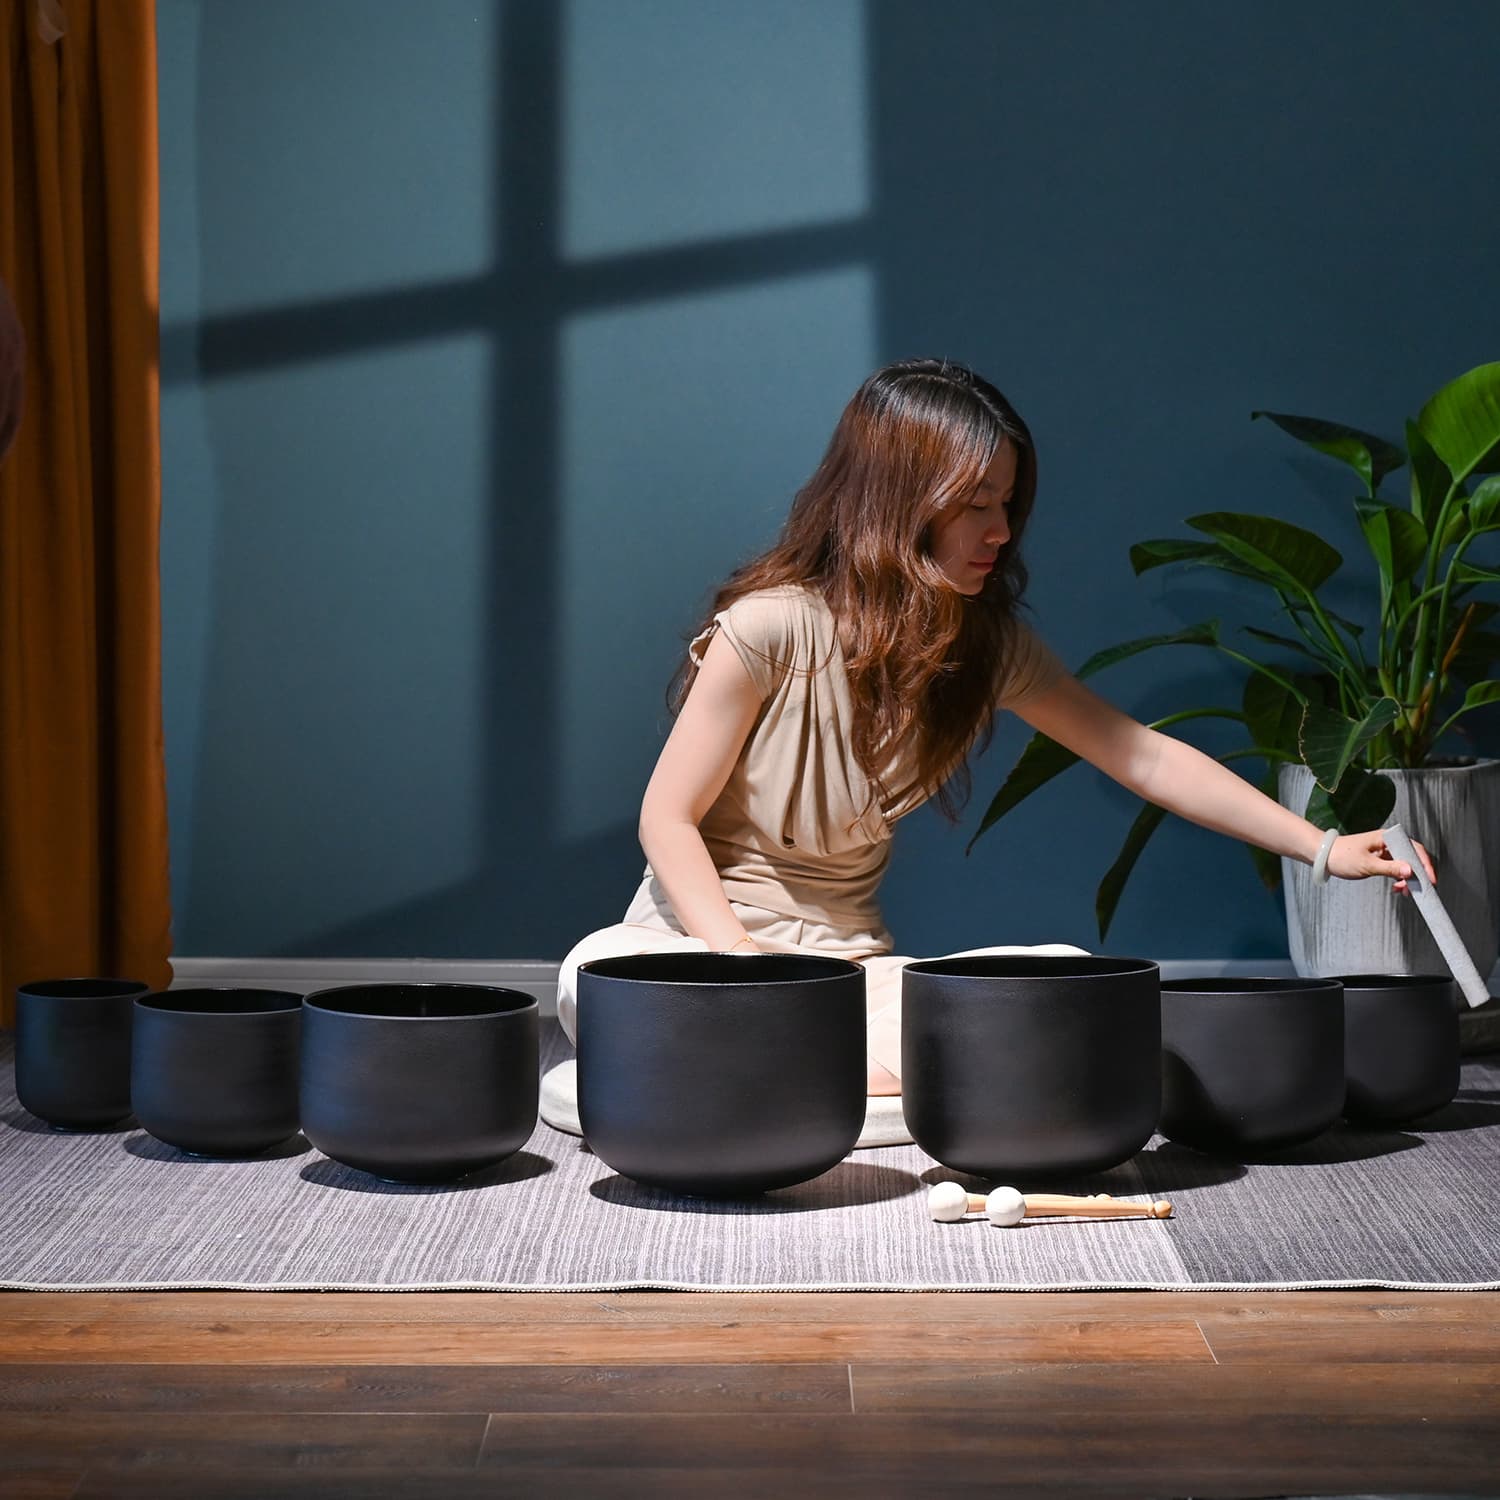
{"x":406,"y":1395}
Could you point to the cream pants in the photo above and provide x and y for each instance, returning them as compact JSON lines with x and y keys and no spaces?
{"x":777,"y":934}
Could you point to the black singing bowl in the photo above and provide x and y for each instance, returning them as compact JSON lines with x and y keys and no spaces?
{"x":1401,"y":1046}
{"x":1251,"y":1065}
{"x":419,"y":1082}
{"x":721,"y":1074}
{"x":214,"y":1071}
{"x":73,"y":1050}
{"x":1017,"y":1065}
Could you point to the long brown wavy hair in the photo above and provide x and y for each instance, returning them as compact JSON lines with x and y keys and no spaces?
{"x":922,"y":659}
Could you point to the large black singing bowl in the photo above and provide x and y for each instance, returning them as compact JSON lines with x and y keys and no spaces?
{"x":73,"y":1050}
{"x":721,"y":1074}
{"x":419,"y":1082}
{"x":1251,"y":1065}
{"x":214,"y":1071}
{"x":1401,"y":1046}
{"x":1012,"y":1066}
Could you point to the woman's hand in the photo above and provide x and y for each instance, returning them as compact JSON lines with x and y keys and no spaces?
{"x":1357,"y":856}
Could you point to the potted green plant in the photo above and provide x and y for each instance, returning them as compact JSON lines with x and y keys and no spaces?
{"x":1355,"y":720}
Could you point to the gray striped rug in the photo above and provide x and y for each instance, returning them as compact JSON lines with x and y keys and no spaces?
{"x":1410,"y":1209}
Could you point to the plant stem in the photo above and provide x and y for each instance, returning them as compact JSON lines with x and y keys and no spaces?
{"x":1434,"y":551}
{"x":1444,"y":602}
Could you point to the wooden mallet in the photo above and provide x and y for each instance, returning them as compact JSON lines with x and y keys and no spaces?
{"x":949,"y":1202}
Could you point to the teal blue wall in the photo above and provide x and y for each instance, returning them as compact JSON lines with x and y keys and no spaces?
{"x":494,"y":334}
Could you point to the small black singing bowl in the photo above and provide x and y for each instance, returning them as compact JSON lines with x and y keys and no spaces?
{"x":1021,"y":1065}
{"x":1401,"y":1046}
{"x":73,"y":1050}
{"x":419,"y":1082}
{"x":721,"y":1074}
{"x":1251,"y":1065}
{"x":214,"y":1070}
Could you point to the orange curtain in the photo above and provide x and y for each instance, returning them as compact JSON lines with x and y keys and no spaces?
{"x":83,"y":825}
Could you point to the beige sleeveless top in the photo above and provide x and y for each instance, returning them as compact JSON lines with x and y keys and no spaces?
{"x":795,"y":829}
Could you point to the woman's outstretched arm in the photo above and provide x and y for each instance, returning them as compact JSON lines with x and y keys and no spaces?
{"x":694,"y":764}
{"x":1174,"y":775}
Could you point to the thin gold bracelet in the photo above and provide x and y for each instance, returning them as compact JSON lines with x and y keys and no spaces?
{"x":746,"y":939}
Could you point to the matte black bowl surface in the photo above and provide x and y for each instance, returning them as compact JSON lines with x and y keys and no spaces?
{"x":1014,"y":1066}
{"x":214,"y":1070}
{"x":419,"y":1082}
{"x":1251,"y":1065}
{"x":721,"y":1074}
{"x":1401,"y":1046}
{"x":73,"y":1050}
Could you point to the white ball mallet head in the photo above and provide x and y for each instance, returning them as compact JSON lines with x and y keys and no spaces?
{"x":1005,"y":1207}
{"x":947,"y":1202}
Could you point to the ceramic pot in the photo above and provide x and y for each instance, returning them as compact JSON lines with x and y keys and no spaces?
{"x":1012,"y":1066}
{"x":419,"y":1082}
{"x":721,"y":1074}
{"x":1400,"y":1046}
{"x":1361,"y":926}
{"x":1251,"y":1065}
{"x":73,"y":1050}
{"x":214,"y":1071}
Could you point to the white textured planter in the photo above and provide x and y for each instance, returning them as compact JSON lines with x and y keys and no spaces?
{"x":1362,"y":926}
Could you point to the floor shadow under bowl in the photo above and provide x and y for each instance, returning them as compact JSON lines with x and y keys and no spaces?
{"x":148,"y":1148}
{"x":1471,"y":1113}
{"x":1340,"y":1144}
{"x":518,"y":1168}
{"x":848,"y":1185}
{"x":23,"y":1120}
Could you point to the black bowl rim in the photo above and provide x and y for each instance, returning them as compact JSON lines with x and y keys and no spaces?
{"x":1391,"y":981}
{"x":316,"y":1000}
{"x":63,"y":989}
{"x":1247,"y":984}
{"x":1123,"y":968}
{"x":835,"y":968}
{"x":161,"y":1000}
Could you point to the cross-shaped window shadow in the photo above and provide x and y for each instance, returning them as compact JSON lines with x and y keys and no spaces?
{"x":534,"y":881}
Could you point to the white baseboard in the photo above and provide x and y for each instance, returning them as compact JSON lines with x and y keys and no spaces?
{"x":535,"y":976}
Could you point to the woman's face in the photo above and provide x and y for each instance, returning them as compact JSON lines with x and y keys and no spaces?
{"x":966,"y":540}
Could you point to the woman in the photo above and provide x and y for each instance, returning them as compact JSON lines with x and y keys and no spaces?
{"x":842,"y":680}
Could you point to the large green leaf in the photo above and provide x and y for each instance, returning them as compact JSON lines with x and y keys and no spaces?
{"x":1204,"y":634}
{"x":1363,"y":801}
{"x":1166,"y":550}
{"x":1478,"y":514}
{"x":1370,"y":457}
{"x":1462,"y":421}
{"x":1283,"y":553}
{"x":1107,"y":898}
{"x":1479,"y":695}
{"x":1329,"y":741}
{"x":1040,"y":761}
{"x":1430,"y":479}
{"x":1396,"y":537}
{"x":1273,"y":715}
